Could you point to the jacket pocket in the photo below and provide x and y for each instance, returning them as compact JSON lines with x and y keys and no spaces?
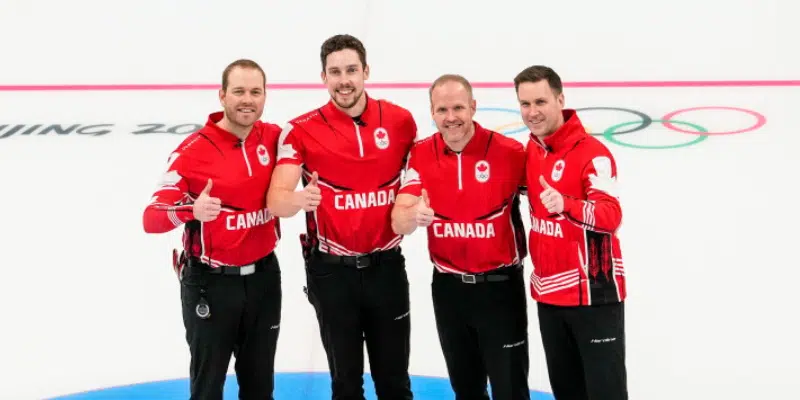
{"x":556,"y":256}
{"x":543,"y":255}
{"x":576,"y":258}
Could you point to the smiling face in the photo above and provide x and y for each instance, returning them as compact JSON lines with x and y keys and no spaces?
{"x":244,"y":98}
{"x":344,"y":75}
{"x":541,"y":99}
{"x":540,"y":108}
{"x":452,"y":109}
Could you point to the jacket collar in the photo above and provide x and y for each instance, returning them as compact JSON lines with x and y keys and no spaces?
{"x":477,"y":145}
{"x":219,"y":135}
{"x":565,"y":136}
{"x":331,"y":111}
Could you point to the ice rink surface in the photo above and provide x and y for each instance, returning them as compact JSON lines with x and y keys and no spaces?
{"x":709,"y":230}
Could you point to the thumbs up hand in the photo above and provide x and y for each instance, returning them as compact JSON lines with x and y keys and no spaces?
{"x":552,"y":200}
{"x":424,"y":214}
{"x":310,"y":197}
{"x":206,"y":208}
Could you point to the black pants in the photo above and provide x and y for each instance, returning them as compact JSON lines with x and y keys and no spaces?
{"x":585,"y":351}
{"x":244,"y":320}
{"x":368,"y":304}
{"x":483,"y":331}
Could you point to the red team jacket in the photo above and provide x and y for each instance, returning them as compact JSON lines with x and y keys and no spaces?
{"x":240,"y":172}
{"x":474,"y":194}
{"x":576,"y":255}
{"x":358,"y":162}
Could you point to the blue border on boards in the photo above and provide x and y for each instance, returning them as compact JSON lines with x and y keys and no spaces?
{"x":288,"y":385}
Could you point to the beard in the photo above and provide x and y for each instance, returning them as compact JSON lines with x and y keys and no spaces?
{"x":356,"y":96}
{"x":242,"y":119}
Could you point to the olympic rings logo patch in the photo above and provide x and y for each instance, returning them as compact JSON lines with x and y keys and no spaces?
{"x":620,"y":122}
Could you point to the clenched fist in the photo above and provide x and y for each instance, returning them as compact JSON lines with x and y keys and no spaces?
{"x":424,"y":214}
{"x":206,"y":208}
{"x":552,"y":200}
{"x":309,"y":198}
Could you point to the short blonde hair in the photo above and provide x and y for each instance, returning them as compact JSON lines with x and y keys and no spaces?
{"x":241,"y":63}
{"x":450,"y":78}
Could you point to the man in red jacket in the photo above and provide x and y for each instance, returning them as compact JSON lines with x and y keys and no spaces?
{"x":215,"y":185}
{"x":463,"y":184}
{"x":350,"y":153}
{"x":578,"y":277}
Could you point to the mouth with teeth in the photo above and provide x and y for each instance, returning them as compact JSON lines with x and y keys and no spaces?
{"x":345,"y":91}
{"x":246,"y":110}
{"x":537,"y":122}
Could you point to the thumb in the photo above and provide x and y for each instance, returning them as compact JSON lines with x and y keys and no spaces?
{"x":544,"y":183}
{"x":314,"y":179}
{"x":425,"y":198}
{"x":207,"y":190}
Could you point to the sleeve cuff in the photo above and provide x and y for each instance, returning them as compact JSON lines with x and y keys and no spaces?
{"x":572,"y":204}
{"x":414,"y":189}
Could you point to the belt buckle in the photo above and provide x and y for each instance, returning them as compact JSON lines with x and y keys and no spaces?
{"x":468,"y":278}
{"x":247,"y":269}
{"x":359,"y":265}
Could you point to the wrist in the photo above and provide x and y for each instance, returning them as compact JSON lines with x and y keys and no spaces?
{"x":296,"y":201}
{"x":411,"y":217}
{"x":194,"y":213}
{"x":570,"y":204}
{"x":407,"y":221}
{"x":295,"y":198}
{"x":281,"y":203}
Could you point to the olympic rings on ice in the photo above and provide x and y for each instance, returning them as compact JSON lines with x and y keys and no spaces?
{"x":610,"y":133}
{"x":760,"y":120}
{"x":642,"y":122}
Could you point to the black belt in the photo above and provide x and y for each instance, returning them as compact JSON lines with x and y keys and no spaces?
{"x":497,"y":275}
{"x":238,"y":270}
{"x":361,"y":261}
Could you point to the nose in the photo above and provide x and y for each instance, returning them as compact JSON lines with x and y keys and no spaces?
{"x":532,"y":111}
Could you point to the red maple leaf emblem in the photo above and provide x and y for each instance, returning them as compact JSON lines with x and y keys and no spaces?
{"x":262,"y":151}
{"x":559,"y":167}
{"x":381,"y":135}
{"x":483,"y":167}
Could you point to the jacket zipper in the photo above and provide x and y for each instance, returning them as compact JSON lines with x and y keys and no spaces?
{"x":460,"y":186}
{"x":580,"y":278}
{"x":360,"y":144}
{"x":246,"y":161}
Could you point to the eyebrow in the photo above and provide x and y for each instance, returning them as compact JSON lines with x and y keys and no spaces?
{"x":346,"y":66}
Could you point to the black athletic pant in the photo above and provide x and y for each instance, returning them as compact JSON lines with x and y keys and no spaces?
{"x":244,"y":320}
{"x":368,"y":304}
{"x":483,"y":331}
{"x":585,"y":351}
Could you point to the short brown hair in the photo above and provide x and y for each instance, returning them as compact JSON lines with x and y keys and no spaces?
{"x":342,"y":42}
{"x":537,"y":73}
{"x":450,"y":78}
{"x":241,"y":63}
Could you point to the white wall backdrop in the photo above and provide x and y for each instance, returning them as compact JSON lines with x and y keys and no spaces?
{"x":90,"y":301}
{"x":184,"y":41}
